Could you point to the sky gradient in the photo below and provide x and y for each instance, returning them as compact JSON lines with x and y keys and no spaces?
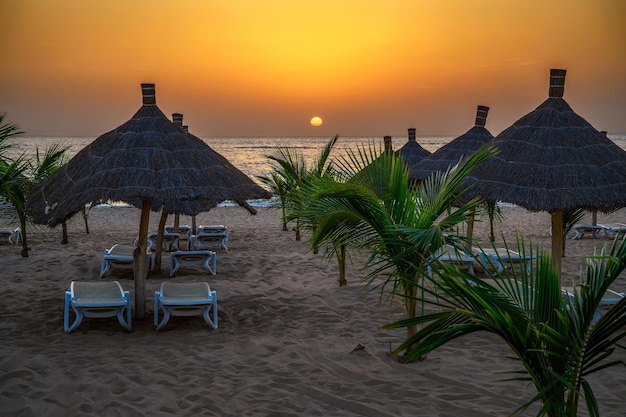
{"x":265,"y":67}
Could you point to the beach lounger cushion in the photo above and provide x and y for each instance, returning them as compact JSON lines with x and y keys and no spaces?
{"x":204,"y":258}
{"x":185,"y":299}
{"x":99,"y":299}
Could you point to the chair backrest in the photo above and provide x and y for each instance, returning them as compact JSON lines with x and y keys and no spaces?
{"x":215,"y":228}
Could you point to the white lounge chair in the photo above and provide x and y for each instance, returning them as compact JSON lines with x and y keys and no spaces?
{"x":587,"y":229}
{"x":184,"y":231}
{"x":212,"y":228}
{"x":121,"y":257}
{"x":12,"y":236}
{"x":499,"y":258}
{"x":170,"y":240}
{"x":185,"y":299}
{"x":609,"y":298}
{"x":612,"y":229}
{"x":452,"y":255}
{"x":99,"y":299}
{"x":205,"y":258}
{"x":208,"y":234}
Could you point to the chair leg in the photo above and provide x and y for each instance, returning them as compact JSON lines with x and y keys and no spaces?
{"x":174,"y":265}
{"x":156,"y":308}
{"x":105,"y":267}
{"x":207,"y":316}
{"x":210,"y":264}
{"x":125,"y":322}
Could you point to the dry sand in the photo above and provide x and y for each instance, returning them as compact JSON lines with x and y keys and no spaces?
{"x":290,"y":341}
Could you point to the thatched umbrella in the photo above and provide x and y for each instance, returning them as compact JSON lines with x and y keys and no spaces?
{"x":412,"y":152}
{"x":553,"y":160}
{"x":451,"y":153}
{"x":150,"y":163}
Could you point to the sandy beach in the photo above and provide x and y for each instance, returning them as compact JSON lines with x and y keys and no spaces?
{"x":290,"y":341}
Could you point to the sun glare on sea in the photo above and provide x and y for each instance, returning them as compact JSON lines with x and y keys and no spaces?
{"x":316,"y":121}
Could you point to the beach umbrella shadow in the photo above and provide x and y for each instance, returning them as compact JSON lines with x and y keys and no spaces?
{"x":148,"y":162}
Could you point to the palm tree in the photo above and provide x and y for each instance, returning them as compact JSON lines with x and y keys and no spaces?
{"x":46,"y":165}
{"x":7,"y":132}
{"x":17,"y":176}
{"x":279,"y":187}
{"x":559,"y":341}
{"x":13,"y":187}
{"x":291,"y":173}
{"x":379,"y":210}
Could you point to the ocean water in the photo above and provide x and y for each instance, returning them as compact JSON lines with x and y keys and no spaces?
{"x":249,"y":154}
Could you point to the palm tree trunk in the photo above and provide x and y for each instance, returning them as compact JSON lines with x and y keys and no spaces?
{"x":341,"y":260}
{"x":298,"y":236}
{"x":284,"y":218}
{"x":64,"y":238}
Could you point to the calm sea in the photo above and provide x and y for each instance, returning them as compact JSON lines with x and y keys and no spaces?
{"x":249,"y":154}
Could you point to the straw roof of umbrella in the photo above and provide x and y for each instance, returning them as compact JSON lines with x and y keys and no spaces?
{"x":553,"y":160}
{"x":451,"y":153}
{"x":148,"y":157}
{"x":412,"y":152}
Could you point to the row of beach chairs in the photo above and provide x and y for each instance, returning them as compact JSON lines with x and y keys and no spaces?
{"x":103,"y":299}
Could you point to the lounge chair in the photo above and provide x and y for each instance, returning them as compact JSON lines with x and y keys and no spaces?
{"x":212,"y":228}
{"x":12,"y":236}
{"x":205,"y":258}
{"x":121,"y":257}
{"x":184,"y":231}
{"x":612,"y":229}
{"x":185,"y":299}
{"x":209,"y":236}
{"x":170,"y":240}
{"x":499,"y":258}
{"x":99,"y":299}
{"x":609,"y":298}
{"x":452,"y":255}
{"x":587,"y":229}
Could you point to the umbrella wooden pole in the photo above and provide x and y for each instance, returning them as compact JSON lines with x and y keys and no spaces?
{"x":159,"y":249}
{"x":141,"y":271}
{"x":557,"y":241}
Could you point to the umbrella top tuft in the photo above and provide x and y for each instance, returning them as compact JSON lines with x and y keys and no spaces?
{"x":148,"y":93}
{"x":557,"y":83}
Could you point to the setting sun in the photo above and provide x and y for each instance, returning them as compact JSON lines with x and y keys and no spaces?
{"x":316,"y":121}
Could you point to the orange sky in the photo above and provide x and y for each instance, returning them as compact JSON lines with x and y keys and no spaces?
{"x":265,"y":67}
